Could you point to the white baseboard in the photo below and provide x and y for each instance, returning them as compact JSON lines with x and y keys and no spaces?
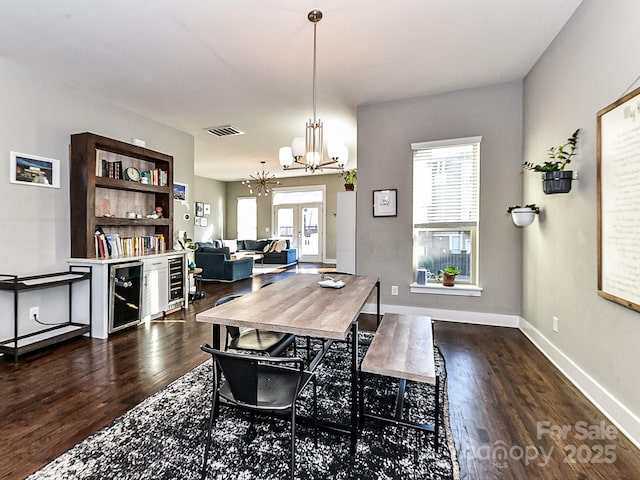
{"x":492,"y":319}
{"x":624,"y":419}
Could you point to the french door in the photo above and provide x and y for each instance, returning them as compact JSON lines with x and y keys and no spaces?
{"x":302,"y":225}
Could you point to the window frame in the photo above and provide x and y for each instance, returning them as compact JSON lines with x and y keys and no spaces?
{"x":462,"y":287}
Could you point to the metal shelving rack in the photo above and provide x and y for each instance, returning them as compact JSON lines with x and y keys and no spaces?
{"x":21,"y":344}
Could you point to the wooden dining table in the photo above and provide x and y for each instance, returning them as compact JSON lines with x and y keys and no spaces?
{"x":299,"y":305}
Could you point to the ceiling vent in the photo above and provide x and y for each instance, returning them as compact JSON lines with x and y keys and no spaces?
{"x":224,"y":131}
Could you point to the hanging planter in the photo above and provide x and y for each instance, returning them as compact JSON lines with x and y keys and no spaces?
{"x":523,"y":216}
{"x":557,"y":182}
{"x":555,"y":179}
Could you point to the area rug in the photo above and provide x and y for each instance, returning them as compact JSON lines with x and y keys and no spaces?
{"x":163,"y":437}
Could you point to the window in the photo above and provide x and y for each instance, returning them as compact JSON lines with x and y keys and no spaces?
{"x":247,"y":218}
{"x":445,"y":206}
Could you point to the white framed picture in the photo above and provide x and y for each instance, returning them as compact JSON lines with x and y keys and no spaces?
{"x":385,"y":203}
{"x":180,"y":191}
{"x":29,"y":169}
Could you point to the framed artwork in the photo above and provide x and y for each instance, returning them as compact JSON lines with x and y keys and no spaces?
{"x":204,"y":222}
{"x":197,"y":221}
{"x":385,"y":203}
{"x":34,"y":170}
{"x":199,"y":209}
{"x":618,"y":144}
{"x":207,"y":209}
{"x":180,"y":191}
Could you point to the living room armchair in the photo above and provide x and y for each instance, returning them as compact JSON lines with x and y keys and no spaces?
{"x":216,"y":264}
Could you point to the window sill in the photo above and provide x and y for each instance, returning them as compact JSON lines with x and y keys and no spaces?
{"x":438,"y":289}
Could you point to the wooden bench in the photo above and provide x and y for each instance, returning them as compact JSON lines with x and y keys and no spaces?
{"x":402,"y":348}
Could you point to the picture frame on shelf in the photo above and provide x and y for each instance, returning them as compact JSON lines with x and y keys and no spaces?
{"x":199,"y":209}
{"x":27,"y":169}
{"x":180,"y":192}
{"x":385,"y":203}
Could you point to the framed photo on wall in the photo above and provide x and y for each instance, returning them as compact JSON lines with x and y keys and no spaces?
{"x":385,"y":203}
{"x":207,"y":208}
{"x":34,"y":170}
{"x":180,"y":191}
{"x":199,"y":209}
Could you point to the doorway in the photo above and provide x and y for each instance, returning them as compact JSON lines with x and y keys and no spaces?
{"x":298,"y":215}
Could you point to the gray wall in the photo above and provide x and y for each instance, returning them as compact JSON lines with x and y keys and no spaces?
{"x":590,"y":64}
{"x":38,"y":117}
{"x":333,"y":183}
{"x":213,"y":192}
{"x":385,"y":134}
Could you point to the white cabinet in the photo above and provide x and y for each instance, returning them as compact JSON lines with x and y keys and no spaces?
{"x":346,"y":232}
{"x":155,"y":287}
{"x":155,"y":298}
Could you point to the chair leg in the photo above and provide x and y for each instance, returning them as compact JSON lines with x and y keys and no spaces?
{"x":208,"y":444}
{"x":293,"y":441}
{"x":315,"y":411}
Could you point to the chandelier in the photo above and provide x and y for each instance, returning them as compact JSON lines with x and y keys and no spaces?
{"x":261,"y":182}
{"x":308,"y":153}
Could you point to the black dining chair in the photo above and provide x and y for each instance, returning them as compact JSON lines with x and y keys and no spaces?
{"x":271,"y":343}
{"x":259,"y":384}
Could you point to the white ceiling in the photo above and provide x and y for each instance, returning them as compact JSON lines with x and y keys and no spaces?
{"x":194,"y":64}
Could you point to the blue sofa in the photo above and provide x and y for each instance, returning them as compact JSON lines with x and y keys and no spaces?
{"x":284,"y":257}
{"x":216,"y":264}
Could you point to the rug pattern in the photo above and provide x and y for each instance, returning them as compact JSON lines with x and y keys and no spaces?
{"x":163,"y":437}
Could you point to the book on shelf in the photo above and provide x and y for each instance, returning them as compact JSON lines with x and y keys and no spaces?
{"x":110,"y":169}
{"x":111,"y":245}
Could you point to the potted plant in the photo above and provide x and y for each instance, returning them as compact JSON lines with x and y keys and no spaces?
{"x":449,"y":275}
{"x":523,"y":216}
{"x":350,"y":177}
{"x":555,"y":179}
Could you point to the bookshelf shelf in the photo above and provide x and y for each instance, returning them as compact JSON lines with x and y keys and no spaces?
{"x":94,"y":193}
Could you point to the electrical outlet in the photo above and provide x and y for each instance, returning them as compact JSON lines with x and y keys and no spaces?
{"x":394,"y":290}
{"x":34,"y":312}
{"x":555,"y":324}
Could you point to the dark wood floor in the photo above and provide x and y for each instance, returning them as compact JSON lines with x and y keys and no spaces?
{"x":500,"y":386}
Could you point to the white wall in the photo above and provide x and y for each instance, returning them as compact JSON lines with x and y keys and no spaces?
{"x":385,"y":134}
{"x":38,"y":116}
{"x":589,"y":65}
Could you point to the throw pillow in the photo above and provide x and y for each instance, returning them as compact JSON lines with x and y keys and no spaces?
{"x":266,"y":248}
{"x":280,"y":244}
{"x":231,"y":244}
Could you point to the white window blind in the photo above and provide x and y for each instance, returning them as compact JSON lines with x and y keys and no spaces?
{"x":445,"y":180}
{"x":247,"y":218}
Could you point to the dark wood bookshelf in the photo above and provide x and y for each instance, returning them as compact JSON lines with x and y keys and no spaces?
{"x":89,"y":192}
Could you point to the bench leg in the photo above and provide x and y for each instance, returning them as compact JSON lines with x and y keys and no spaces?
{"x":354,"y":386}
{"x":436,"y":422}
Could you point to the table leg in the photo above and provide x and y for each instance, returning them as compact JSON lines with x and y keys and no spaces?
{"x":354,"y":386}
{"x":378,"y":303}
{"x":216,"y":337}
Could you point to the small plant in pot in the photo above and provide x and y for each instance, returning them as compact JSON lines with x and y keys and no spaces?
{"x":449,"y":275}
{"x":555,"y":179}
{"x":523,"y":216}
{"x":350,"y":177}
